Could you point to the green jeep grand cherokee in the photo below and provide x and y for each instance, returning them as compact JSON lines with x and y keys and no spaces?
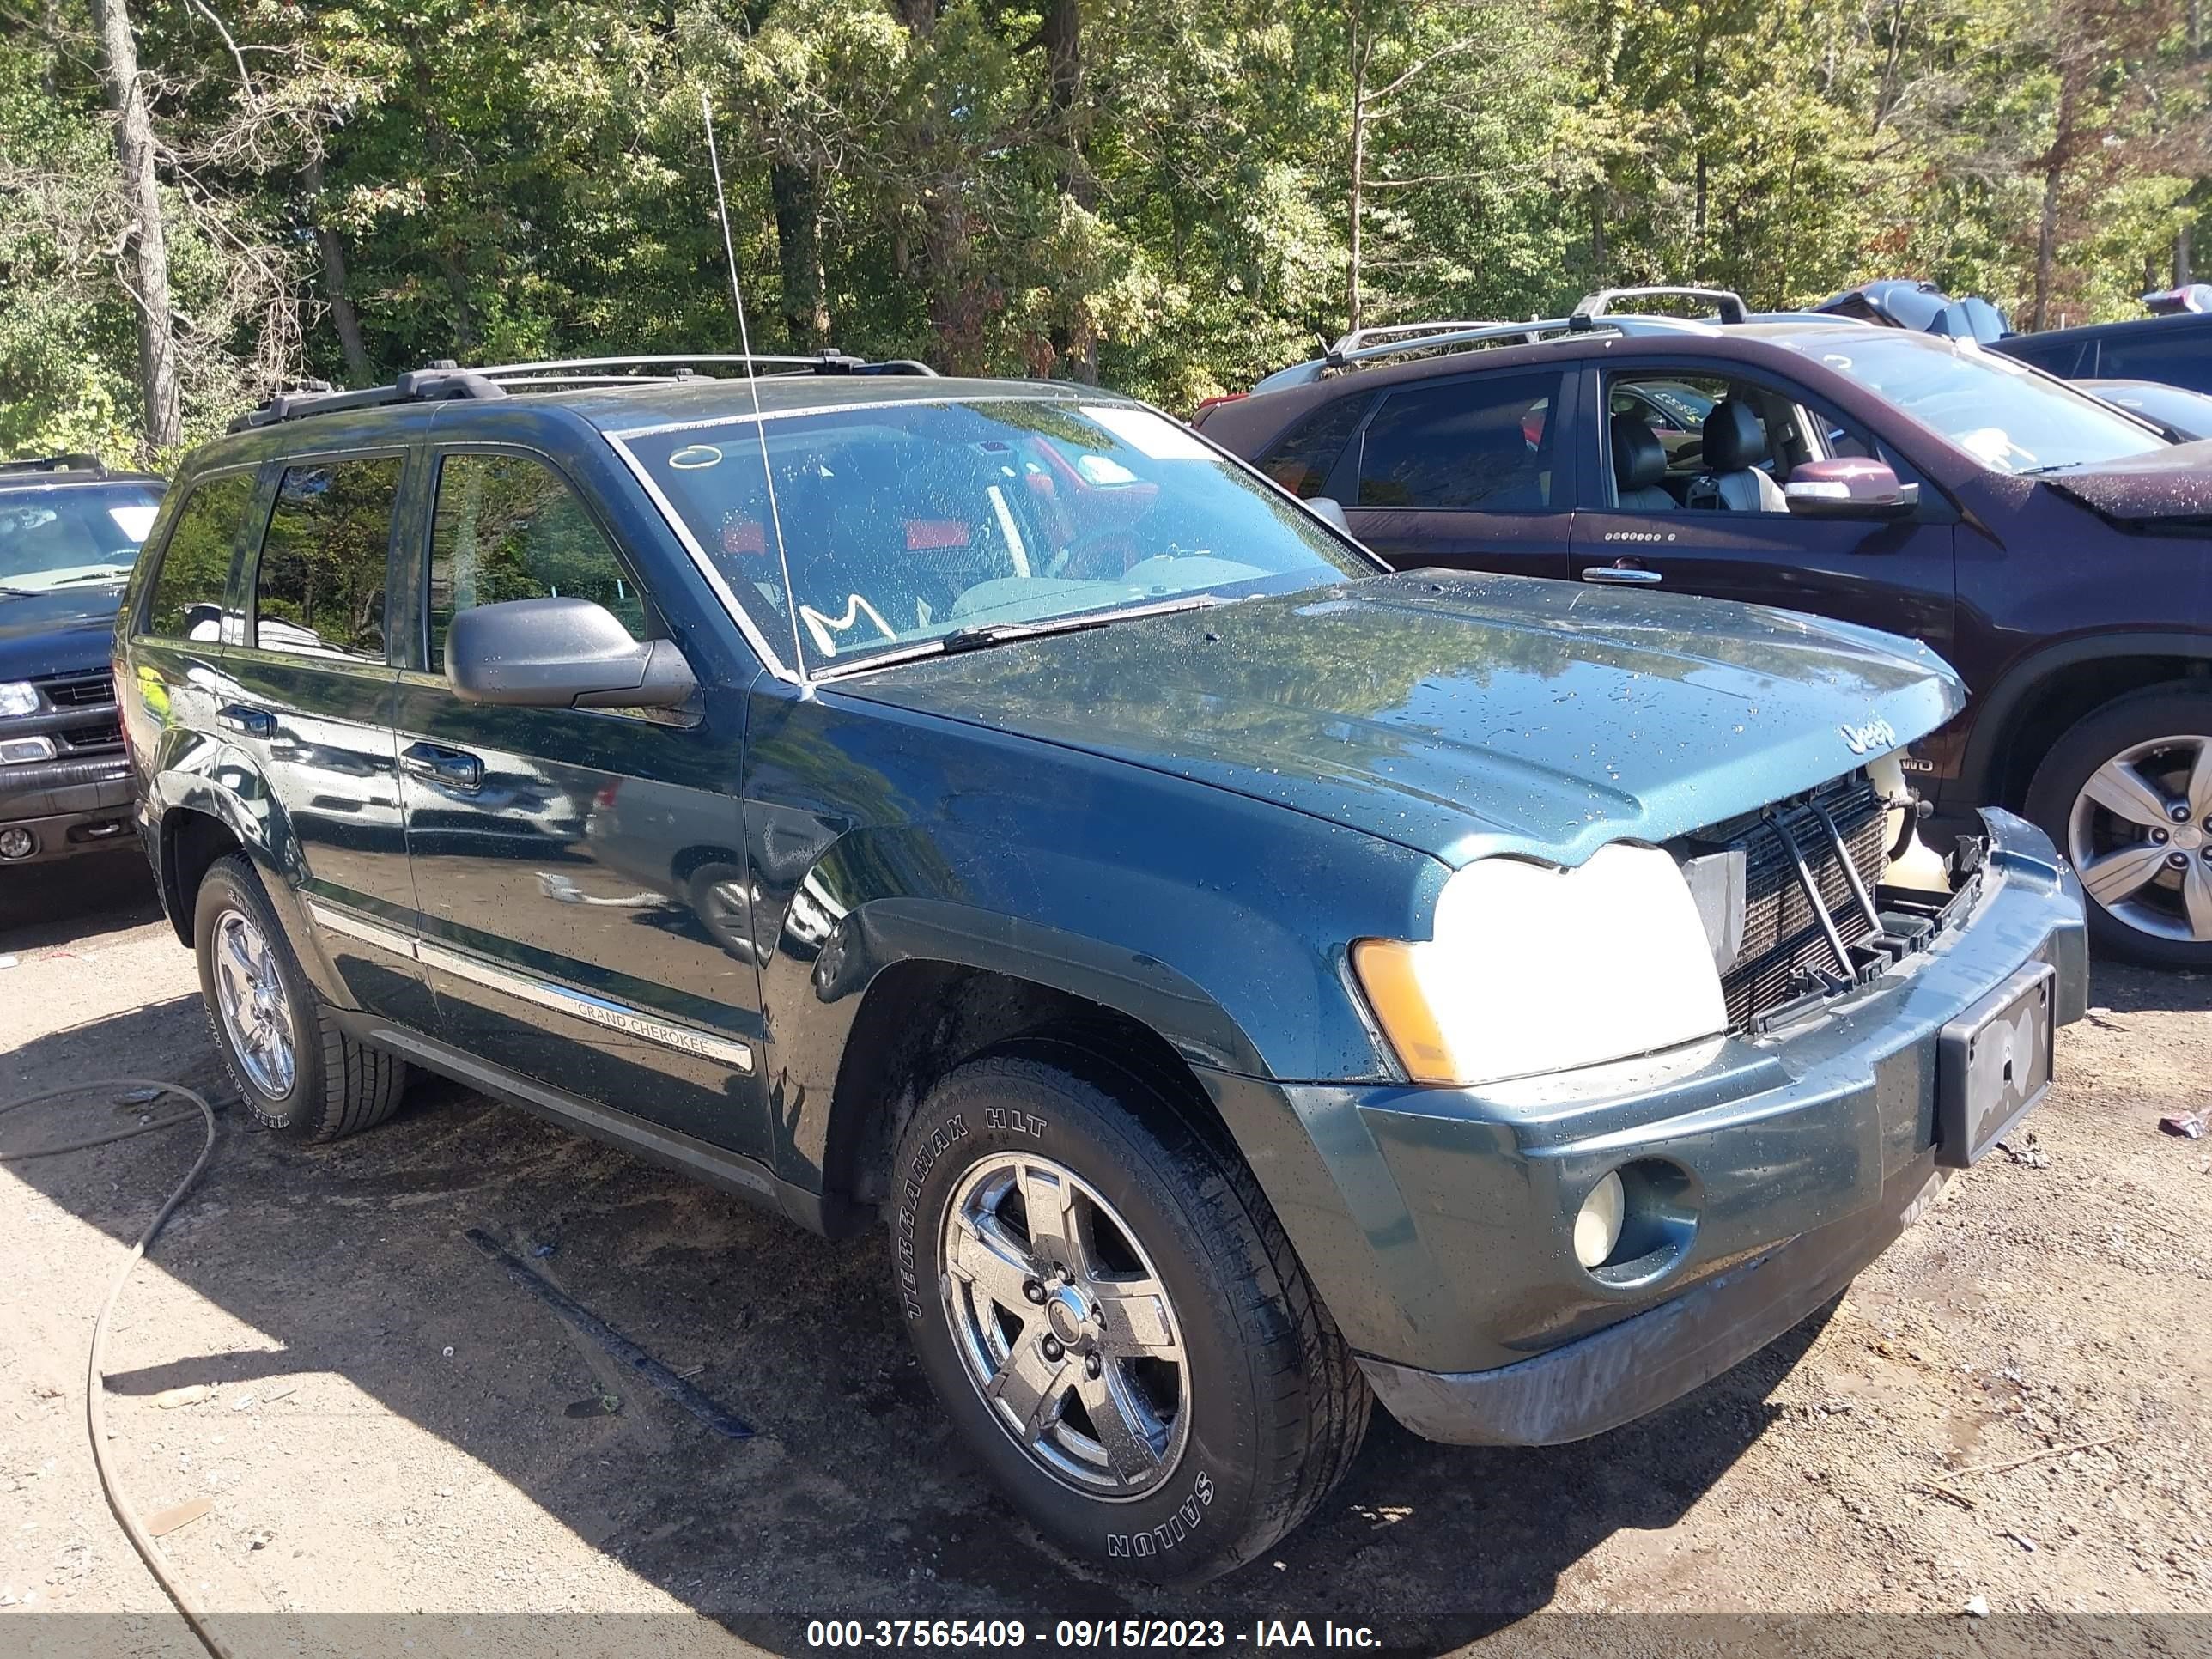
{"x":1242,"y":982}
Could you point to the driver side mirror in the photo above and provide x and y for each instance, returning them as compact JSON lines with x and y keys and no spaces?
{"x":1328,"y":507}
{"x":560,"y":653}
{"x":1849,"y":487}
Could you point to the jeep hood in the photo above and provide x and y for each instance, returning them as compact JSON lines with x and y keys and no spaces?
{"x":67,"y":631}
{"x":1462,"y":716}
{"x":2168,"y":488}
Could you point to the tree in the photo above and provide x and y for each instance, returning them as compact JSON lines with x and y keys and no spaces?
{"x":148,"y":282}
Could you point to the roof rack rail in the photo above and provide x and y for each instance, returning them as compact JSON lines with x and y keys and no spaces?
{"x":1368,"y":336}
{"x":1728,"y":303}
{"x":70,"y":463}
{"x":447,"y":380}
{"x":1440,"y":336}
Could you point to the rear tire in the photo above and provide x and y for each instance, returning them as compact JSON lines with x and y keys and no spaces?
{"x":299,"y":1075}
{"x":1196,"y":1400}
{"x":2125,"y":793}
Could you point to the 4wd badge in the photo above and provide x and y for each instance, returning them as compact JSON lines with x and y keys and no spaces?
{"x":1877,"y":736}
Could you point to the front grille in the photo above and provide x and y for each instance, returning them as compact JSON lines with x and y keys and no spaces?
{"x":79,"y":691}
{"x":1785,"y":947}
{"x":92,"y":737}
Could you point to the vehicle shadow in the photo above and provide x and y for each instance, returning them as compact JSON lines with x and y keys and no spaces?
{"x":2126,"y":989}
{"x":851,"y":1499}
{"x":74,"y":900}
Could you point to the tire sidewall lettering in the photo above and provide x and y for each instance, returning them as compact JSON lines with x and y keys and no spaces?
{"x":942,"y":1140}
{"x":1182,"y":1522}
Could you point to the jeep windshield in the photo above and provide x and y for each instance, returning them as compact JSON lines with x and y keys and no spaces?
{"x":54,"y":536}
{"x":2002,"y":412}
{"x":905,"y":524}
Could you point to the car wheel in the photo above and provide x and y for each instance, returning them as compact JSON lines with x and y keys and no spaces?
{"x":299,"y":1074}
{"x":1113,"y":1318}
{"x":2127,"y":796}
{"x":722,"y":900}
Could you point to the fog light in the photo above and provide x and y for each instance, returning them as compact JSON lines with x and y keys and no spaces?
{"x":17,"y":844}
{"x":1597,"y":1225}
{"x":17,"y":751}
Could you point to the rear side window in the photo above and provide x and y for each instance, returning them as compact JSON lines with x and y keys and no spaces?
{"x":2059,"y":357}
{"x":508,"y":527}
{"x":1482,"y":444}
{"x":1303,"y":458}
{"x":319,"y":590}
{"x":188,"y":588}
{"x":2183,"y":358}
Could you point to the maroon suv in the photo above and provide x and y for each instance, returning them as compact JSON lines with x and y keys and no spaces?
{"x":2055,"y":549}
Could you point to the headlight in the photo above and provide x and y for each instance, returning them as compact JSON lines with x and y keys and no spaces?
{"x":18,"y":697}
{"x":1535,"y":969}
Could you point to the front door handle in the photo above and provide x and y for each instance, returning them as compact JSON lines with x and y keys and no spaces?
{"x":449,"y":769}
{"x":1622,"y":576}
{"x":242,"y":717}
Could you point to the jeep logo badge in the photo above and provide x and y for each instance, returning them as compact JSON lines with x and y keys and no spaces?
{"x":1877,"y":735}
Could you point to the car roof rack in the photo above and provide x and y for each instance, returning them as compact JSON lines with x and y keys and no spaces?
{"x":445,"y":380}
{"x":1725,"y":301}
{"x":69,"y":463}
{"x":1368,"y":345}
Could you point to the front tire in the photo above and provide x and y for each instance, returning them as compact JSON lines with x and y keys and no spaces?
{"x":1113,"y":1320}
{"x":299,"y":1075}
{"x":2126,"y":795}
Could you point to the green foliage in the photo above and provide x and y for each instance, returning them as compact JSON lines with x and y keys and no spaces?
{"x":1155,"y":193}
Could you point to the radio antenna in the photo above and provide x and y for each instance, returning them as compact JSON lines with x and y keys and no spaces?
{"x":752,"y":381}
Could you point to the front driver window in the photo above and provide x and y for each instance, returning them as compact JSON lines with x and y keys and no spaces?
{"x":1701,"y":443}
{"x":508,"y":527}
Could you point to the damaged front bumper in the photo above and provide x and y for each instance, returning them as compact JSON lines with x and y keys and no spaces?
{"x":1438,"y":1223}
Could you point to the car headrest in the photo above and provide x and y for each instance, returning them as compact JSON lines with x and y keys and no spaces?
{"x":1735,"y":438}
{"x":1638,"y":460}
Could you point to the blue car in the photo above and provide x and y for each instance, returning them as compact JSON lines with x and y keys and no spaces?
{"x":1238,"y":983}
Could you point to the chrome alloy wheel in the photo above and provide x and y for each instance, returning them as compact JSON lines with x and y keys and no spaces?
{"x":2141,"y":836}
{"x":1064,"y":1327}
{"x":257,"y":1016}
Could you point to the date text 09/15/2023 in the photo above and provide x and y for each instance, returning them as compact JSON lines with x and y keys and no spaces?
{"x":1086,"y":1634}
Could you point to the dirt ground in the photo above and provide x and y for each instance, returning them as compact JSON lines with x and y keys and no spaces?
{"x":395,"y":1427}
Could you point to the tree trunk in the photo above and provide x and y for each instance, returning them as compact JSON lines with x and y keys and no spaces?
{"x":796,"y":190}
{"x":343,"y":318}
{"x":2046,"y":248}
{"x":134,"y":154}
{"x":2183,"y":273}
{"x":1597,"y":235}
{"x":1061,"y":32}
{"x":2046,"y":234}
{"x":1354,"y":301}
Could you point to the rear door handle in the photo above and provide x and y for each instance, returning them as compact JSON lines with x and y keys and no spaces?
{"x":1622,"y":576}
{"x":241,"y":717}
{"x":449,"y":769}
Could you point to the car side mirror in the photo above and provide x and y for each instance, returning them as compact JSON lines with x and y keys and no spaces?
{"x":1849,"y":487}
{"x":560,"y":653}
{"x":1329,"y":508}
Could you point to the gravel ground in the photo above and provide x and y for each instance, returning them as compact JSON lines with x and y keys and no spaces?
{"x":2008,"y":1409}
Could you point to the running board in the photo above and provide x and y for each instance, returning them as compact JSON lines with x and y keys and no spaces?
{"x":718,"y":1166}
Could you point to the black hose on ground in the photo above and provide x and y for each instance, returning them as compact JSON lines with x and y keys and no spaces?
{"x":96,"y":1378}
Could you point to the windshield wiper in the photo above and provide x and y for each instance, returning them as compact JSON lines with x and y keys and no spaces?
{"x":977,"y":636}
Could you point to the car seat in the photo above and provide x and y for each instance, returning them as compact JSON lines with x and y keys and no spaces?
{"x":1639,"y":463}
{"x":1734,"y":444}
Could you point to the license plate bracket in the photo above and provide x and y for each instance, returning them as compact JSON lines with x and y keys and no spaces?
{"x":1993,"y":1065}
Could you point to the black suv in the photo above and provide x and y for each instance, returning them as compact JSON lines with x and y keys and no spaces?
{"x":69,"y":532}
{"x":2173,"y":350}
{"x":1241,"y":982}
{"x":2056,"y":548}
